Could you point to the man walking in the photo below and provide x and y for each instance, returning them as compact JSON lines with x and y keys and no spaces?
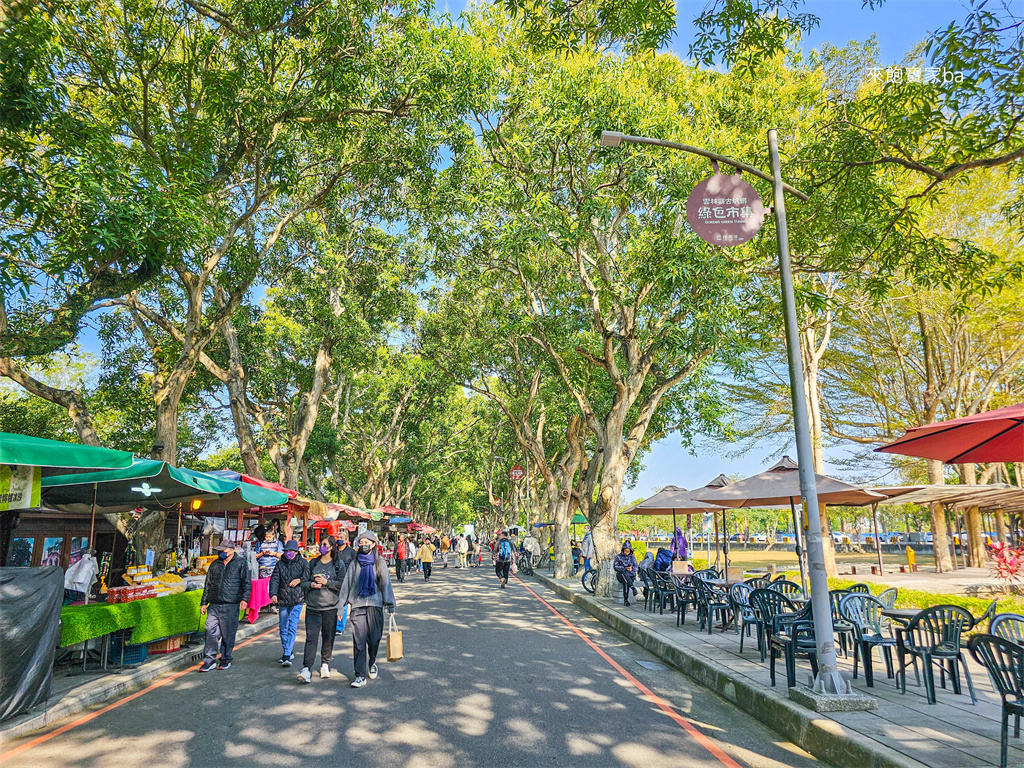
{"x":503,"y":559}
{"x":426,"y":558}
{"x":446,"y":544}
{"x":288,"y":595}
{"x":461,"y":549}
{"x":587,"y":549}
{"x":400,"y":551}
{"x":225,"y":594}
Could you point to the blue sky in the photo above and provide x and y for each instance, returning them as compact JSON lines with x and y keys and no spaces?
{"x":898,"y":26}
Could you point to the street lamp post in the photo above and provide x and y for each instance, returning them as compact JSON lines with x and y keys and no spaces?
{"x":828,"y":680}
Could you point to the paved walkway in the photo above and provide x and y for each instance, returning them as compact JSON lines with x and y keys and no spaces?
{"x":977,"y":582}
{"x":491,"y":677}
{"x":952,"y":733}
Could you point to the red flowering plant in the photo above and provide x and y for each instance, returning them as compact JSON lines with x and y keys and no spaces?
{"x":1007,"y":562}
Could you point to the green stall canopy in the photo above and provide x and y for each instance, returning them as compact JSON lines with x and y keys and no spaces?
{"x":57,"y":457}
{"x":154,"y":484}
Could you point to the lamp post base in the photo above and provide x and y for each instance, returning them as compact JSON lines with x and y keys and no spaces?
{"x":820,"y":696}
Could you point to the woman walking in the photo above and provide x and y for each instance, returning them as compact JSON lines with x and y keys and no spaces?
{"x":321,"y":581}
{"x":625,"y":571}
{"x":367,"y":589}
{"x":287,"y":594}
{"x":426,"y":558}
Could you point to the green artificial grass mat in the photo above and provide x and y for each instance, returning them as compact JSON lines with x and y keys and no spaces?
{"x":152,"y":619}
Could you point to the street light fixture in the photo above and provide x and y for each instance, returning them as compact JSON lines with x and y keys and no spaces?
{"x":828,"y":680}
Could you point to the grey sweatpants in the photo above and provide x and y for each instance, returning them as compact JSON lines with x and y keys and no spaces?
{"x":221,"y":625}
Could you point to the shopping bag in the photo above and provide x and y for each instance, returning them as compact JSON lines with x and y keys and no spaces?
{"x":394,"y":641}
{"x":342,"y":620}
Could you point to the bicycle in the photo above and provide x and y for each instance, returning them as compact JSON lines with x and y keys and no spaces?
{"x":525,"y":564}
{"x":589,"y":580}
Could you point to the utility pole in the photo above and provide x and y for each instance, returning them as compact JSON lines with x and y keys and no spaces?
{"x":828,"y":681}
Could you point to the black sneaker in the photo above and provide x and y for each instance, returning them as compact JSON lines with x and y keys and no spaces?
{"x":286,"y":661}
{"x":224,"y":665}
{"x":626,"y":602}
{"x":208,"y":666}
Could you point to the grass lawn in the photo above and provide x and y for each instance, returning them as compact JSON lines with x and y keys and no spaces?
{"x":756,"y":558}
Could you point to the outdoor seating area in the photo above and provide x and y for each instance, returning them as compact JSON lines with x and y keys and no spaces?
{"x":945,"y":646}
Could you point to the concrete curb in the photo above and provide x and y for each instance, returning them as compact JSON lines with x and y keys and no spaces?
{"x":112,"y":686}
{"x":823,"y":737}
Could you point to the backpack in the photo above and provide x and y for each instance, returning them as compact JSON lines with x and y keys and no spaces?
{"x":504,"y":550}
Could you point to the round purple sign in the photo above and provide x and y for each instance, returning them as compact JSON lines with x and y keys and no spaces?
{"x":725,"y":210}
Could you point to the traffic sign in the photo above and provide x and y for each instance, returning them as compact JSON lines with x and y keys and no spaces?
{"x":516,"y":473}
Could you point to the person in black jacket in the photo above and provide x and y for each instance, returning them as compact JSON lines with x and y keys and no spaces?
{"x":321,"y":581}
{"x":225,"y":594}
{"x":286,"y":592}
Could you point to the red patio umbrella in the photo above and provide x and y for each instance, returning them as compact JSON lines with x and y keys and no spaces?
{"x":987,"y":437}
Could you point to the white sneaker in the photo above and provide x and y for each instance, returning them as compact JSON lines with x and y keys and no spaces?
{"x":373,"y":672}
{"x":359,"y":682}
{"x":325,"y":670}
{"x":305,"y":676}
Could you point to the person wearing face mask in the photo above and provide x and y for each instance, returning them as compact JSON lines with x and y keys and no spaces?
{"x":625,"y":566}
{"x":367,"y":589}
{"x":321,"y":581}
{"x":225,"y":594}
{"x":286,"y":593}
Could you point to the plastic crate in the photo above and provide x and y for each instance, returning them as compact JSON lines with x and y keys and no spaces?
{"x":127,"y":654}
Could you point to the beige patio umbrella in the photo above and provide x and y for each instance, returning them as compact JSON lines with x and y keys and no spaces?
{"x":672,"y":500}
{"x":780,"y":484}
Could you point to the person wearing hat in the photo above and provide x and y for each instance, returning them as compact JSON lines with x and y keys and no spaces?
{"x":225,"y":594}
{"x":625,"y":570}
{"x":368,"y":590}
{"x":286,"y":592}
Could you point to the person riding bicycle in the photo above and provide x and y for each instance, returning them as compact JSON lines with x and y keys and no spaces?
{"x":503,"y":554}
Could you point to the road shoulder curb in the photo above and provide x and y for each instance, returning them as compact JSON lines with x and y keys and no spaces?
{"x":111,"y":686}
{"x":826,"y":739}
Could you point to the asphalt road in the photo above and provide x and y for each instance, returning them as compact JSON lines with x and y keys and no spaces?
{"x":490,"y":677}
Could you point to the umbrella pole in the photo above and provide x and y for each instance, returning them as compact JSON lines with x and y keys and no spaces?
{"x":92,"y":522}
{"x":672,"y":538}
{"x":716,"y":541}
{"x":799,"y":549}
{"x":878,"y":543}
{"x":725,"y":544}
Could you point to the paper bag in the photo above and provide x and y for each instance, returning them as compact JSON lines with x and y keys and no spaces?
{"x":680,"y":567}
{"x":394,"y":641}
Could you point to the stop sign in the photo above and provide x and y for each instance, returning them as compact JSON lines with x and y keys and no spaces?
{"x":516,"y":473}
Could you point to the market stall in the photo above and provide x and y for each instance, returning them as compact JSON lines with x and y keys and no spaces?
{"x":154,"y":610}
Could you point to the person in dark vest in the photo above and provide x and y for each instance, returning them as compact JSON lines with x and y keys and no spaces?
{"x":286,"y":592}
{"x":225,"y":594}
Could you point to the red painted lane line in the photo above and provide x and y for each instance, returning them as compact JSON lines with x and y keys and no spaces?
{"x":663,"y":705}
{"x":92,"y":715}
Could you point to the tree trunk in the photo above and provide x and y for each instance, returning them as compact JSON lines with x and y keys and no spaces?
{"x":604,"y":520}
{"x":1001,"y":525}
{"x":940,"y":536}
{"x":972,"y":519}
{"x":238,"y":399}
